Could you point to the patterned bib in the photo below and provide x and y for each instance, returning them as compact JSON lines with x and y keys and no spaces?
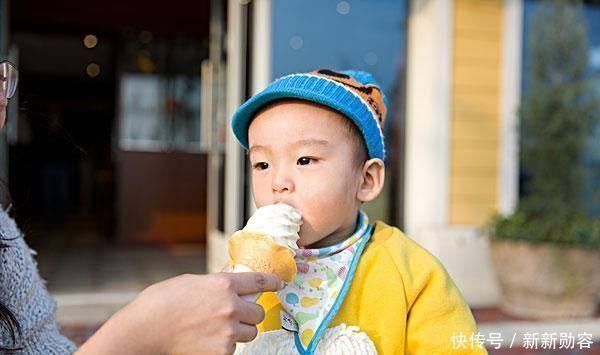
{"x":324,"y":276}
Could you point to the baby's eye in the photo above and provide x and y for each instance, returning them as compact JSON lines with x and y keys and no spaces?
{"x":261,"y":166}
{"x":304,"y":161}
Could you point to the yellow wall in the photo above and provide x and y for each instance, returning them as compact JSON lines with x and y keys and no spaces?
{"x":475,"y":110}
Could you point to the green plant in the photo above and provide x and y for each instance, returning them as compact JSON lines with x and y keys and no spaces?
{"x":556,"y":115}
{"x":577,"y":232}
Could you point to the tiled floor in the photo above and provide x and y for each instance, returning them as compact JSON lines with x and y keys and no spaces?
{"x":80,"y":332}
{"x":595,"y":350}
{"x":493,"y":317}
{"x":116,"y":269}
{"x":91,"y":282}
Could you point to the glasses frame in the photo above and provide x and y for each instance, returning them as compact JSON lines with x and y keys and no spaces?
{"x":13,"y":77}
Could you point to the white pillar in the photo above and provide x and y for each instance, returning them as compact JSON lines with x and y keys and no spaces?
{"x":236,"y":80}
{"x":428,"y":113}
{"x":508,"y":187}
{"x":462,"y":249}
{"x":262,"y":54}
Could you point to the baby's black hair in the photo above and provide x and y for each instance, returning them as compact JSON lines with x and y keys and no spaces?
{"x":361,"y":154}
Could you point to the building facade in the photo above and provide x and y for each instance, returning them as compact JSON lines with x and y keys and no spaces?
{"x":454,"y":72}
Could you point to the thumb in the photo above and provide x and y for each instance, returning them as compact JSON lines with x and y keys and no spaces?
{"x":247,"y":283}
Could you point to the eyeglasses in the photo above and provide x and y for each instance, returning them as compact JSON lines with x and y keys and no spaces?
{"x":9,"y":77}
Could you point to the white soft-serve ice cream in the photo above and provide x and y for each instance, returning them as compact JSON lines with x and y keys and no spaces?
{"x":268,"y":242}
{"x":279,"y":221}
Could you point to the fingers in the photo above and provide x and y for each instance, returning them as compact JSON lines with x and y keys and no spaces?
{"x":250,"y":313}
{"x":245,"y":332}
{"x":246,"y":283}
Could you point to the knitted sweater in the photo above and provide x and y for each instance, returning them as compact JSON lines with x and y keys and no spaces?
{"x":22,"y":290}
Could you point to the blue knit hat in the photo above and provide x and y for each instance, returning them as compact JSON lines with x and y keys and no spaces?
{"x":355,"y":94}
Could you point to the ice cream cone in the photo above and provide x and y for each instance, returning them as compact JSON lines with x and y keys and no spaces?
{"x":260,"y":253}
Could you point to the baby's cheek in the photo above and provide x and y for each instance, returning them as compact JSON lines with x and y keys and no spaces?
{"x":261,"y":192}
{"x":319,"y":212}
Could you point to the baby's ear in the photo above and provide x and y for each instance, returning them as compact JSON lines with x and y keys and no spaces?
{"x":373,"y":178}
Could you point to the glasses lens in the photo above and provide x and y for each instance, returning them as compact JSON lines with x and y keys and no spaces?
{"x":9,"y":77}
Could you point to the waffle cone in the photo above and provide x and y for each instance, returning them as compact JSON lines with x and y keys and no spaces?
{"x":261,"y":253}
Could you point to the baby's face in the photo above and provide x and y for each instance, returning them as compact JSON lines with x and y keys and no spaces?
{"x":302,"y":155}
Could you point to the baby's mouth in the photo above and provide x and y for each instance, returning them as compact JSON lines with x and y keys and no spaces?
{"x":289,"y":204}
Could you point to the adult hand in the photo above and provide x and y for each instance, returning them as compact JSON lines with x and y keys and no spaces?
{"x":188,"y":314}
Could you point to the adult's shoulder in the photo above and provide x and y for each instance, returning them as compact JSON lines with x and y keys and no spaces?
{"x":18,"y":269}
{"x":9,"y":232}
{"x":24,"y":293}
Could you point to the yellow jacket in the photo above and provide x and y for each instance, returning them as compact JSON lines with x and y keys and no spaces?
{"x":402,"y":297}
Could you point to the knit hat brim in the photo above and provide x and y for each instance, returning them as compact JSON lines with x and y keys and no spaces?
{"x":319,"y":90}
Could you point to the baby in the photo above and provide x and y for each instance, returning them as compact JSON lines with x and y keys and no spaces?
{"x":315,"y":143}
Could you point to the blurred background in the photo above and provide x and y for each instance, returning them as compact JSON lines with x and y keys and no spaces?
{"x":122,"y":170}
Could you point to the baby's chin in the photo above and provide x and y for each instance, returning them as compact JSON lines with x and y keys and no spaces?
{"x":302,"y":242}
{"x":306,"y":238}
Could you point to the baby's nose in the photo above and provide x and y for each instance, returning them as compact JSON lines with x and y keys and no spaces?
{"x":282,"y":183}
{"x":282,"y":187}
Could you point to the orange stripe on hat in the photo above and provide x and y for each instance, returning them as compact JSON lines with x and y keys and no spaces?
{"x":369,"y":93}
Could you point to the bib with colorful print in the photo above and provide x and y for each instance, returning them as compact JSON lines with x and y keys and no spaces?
{"x":324,"y":276}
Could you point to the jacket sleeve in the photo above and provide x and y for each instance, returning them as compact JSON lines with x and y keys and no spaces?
{"x":439,"y":320}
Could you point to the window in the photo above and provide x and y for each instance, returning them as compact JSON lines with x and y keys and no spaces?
{"x":591,"y":155}
{"x":160,"y":93}
{"x":352,"y":34}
